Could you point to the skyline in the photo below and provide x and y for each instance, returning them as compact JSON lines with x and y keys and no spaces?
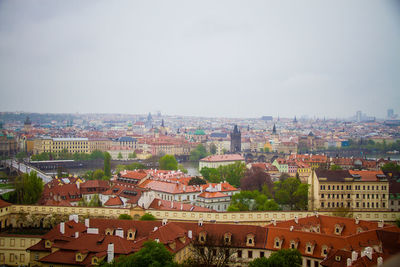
{"x":204,"y":59}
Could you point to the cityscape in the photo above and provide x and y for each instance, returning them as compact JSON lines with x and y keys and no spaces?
{"x":185,"y":134}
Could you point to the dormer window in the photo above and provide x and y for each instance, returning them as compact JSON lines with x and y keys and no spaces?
{"x":324,"y":251}
{"x":109,"y":231}
{"x":338,"y":229}
{"x":278,"y":242}
{"x":227,"y":238}
{"x":294,"y":244}
{"x":310,"y":247}
{"x":250,"y":240}
{"x":202,"y":237}
{"x":48,"y":244}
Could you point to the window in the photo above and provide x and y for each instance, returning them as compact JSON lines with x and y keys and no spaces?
{"x":36,"y":256}
{"x":262,"y":254}
{"x":250,"y":254}
{"x":239,"y":253}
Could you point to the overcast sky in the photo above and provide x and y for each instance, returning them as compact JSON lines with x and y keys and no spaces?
{"x":203,"y":58}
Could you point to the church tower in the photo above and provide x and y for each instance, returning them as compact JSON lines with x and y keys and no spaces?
{"x":236,"y":140}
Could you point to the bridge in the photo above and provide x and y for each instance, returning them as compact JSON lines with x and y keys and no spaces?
{"x":257,"y":156}
{"x":25,"y":168}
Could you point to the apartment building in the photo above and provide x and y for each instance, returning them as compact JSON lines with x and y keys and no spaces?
{"x":357,"y":190}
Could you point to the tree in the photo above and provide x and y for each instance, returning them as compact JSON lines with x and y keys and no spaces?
{"x":132,"y":155}
{"x":20,"y":156}
{"x":107,"y":164}
{"x":28,"y":188}
{"x":125,"y":217}
{"x":280,"y":258}
{"x":97,"y":154}
{"x":210,"y":174}
{"x":168,"y":162}
{"x":398,"y":222}
{"x":291,"y":192}
{"x":391,"y":167}
{"x":254,"y":179}
{"x":196,"y":181}
{"x":198,"y":153}
{"x":147,"y":217}
{"x":88,"y":175}
{"x":119,"y":155}
{"x":252,"y":200}
{"x":213,"y":149}
{"x":151,"y":254}
{"x":335,"y":167}
{"x":95,"y":201}
{"x":182,"y":168}
{"x":232,"y":173}
{"x":211,"y":250}
{"x":98,"y":174}
{"x":283,"y":176}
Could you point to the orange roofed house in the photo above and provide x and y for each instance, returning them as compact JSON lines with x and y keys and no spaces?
{"x":214,"y":161}
{"x":322,"y":240}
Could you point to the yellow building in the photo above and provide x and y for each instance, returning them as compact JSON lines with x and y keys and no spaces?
{"x":56,"y":145}
{"x":355,"y":190}
{"x":13,"y":248}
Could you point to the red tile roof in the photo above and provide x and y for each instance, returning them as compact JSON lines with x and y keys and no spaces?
{"x":114,"y":201}
{"x":222,"y":158}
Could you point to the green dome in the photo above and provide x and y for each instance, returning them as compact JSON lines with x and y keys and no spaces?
{"x":199,"y":132}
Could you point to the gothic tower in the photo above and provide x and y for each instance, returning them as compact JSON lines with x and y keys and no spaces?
{"x":236,"y":140}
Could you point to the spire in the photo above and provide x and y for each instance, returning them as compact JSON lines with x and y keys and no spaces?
{"x":162,"y":123}
{"x":295,"y":120}
{"x":274,"y":129}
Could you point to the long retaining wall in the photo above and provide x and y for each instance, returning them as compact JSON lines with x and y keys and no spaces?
{"x":90,"y":211}
{"x":257,"y":217}
{"x":262,"y":217}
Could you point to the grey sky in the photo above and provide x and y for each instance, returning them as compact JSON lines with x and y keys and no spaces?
{"x":204,"y":58}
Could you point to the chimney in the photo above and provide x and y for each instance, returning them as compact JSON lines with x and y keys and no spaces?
{"x":201,"y":222}
{"x":76,"y":234}
{"x":93,"y":231}
{"x":164,"y":221}
{"x":291,"y":228}
{"x":78,"y":185}
{"x":348,"y":262}
{"x":181,"y":206}
{"x":190,"y":234}
{"x":76,"y":218}
{"x":62,"y":228}
{"x":87,"y":223}
{"x":379,"y":262}
{"x":354,"y":256}
{"x":110,"y":252}
{"x":119,"y":232}
{"x":273,"y":222}
{"x":71,"y":217}
{"x":155,"y":229}
{"x":172,"y":204}
{"x":380,"y":224}
{"x":296,"y":219}
{"x":357,"y":220}
{"x":159,"y":203}
{"x":316,"y":214}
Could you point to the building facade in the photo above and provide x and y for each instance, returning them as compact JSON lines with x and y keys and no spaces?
{"x":355,"y":190}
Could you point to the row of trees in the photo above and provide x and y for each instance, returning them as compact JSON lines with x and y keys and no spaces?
{"x":169,"y":162}
{"x":232,"y":173}
{"x":28,"y":189}
{"x":260,"y":193}
{"x":199,"y":152}
{"x":65,"y":155}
